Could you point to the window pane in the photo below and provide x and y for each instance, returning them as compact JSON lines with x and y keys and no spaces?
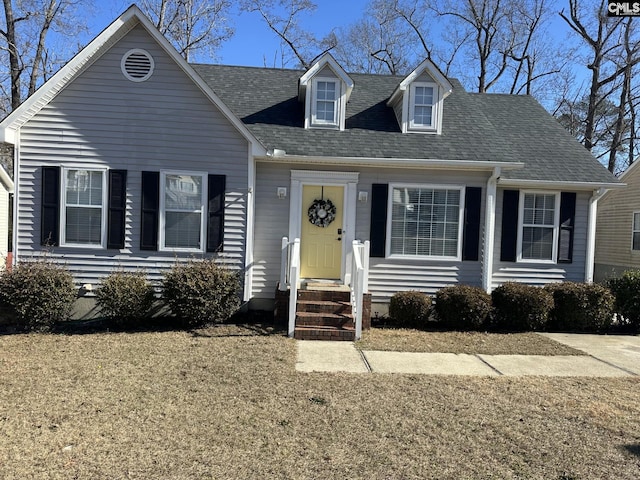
{"x":636,"y":241}
{"x":537,"y":243}
{"x":84,"y":187}
{"x":83,"y":225}
{"x":182,"y":230}
{"x":425,"y":222}
{"x":183,"y":192}
{"x":636,"y":222}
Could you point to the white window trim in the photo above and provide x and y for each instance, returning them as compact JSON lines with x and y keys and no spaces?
{"x":63,"y":209}
{"x":461,"y":209}
{"x":203,"y":211}
{"x":435,"y":108}
{"x":556,"y":224}
{"x":633,"y":230}
{"x":314,"y":103}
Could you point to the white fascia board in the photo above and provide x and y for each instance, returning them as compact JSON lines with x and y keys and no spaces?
{"x":628,"y":170}
{"x":94,"y":50}
{"x":6,"y":179}
{"x":7,"y":135}
{"x":393,"y":162}
{"x":558,"y":185}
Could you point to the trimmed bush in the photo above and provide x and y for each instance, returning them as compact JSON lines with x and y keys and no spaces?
{"x":580,"y":307}
{"x":38,"y":293}
{"x":409,"y":309}
{"x":463,"y":307}
{"x":626,"y":291}
{"x":200,"y":292}
{"x":125,"y":297}
{"x":520,"y":307}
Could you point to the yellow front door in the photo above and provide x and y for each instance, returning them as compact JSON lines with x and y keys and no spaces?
{"x":321,"y":232}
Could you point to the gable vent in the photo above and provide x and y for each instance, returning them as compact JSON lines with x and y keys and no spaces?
{"x":137,"y":65}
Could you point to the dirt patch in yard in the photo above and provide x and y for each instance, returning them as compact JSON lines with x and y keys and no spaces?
{"x":226,"y":402}
{"x":408,"y":340}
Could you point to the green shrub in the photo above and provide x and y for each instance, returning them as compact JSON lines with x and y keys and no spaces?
{"x":409,"y":309}
{"x":520,"y":307}
{"x":626,"y":291}
{"x":200,"y":292}
{"x":580,"y":307}
{"x":463,"y":307}
{"x":125,"y":297}
{"x":38,"y":293}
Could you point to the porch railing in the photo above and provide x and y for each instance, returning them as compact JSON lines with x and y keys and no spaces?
{"x":359,"y":280}
{"x":290,"y":276}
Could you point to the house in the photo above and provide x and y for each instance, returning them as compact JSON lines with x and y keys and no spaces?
{"x":618,"y":230}
{"x":6,"y":191}
{"x":129,"y":157}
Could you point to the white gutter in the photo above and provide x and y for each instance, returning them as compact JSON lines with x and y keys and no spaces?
{"x":489,"y":230}
{"x":279,"y":156}
{"x":591,"y":234}
{"x":557,"y":184}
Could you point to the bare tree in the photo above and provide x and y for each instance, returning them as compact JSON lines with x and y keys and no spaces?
{"x":24,"y":31}
{"x":283,"y":17}
{"x":193,"y":26}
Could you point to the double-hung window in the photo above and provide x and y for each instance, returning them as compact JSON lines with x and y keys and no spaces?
{"x":538,"y":226}
{"x":422,"y":108}
{"x":83,"y":213}
{"x":182,"y":205}
{"x":635,"y":232}
{"x":426,"y":221}
{"x":325,"y":102}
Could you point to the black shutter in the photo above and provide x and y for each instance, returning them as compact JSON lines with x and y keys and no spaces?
{"x":471,"y":233}
{"x":215,"y":212}
{"x":50,"y":207}
{"x":378,"y":230}
{"x":567,"y":223}
{"x":117,"y":208}
{"x":509,"y":243}
{"x":150,"y":210}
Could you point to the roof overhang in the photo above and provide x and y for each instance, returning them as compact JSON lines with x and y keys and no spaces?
{"x":132,"y":17}
{"x":545,"y":184}
{"x":279,"y":156}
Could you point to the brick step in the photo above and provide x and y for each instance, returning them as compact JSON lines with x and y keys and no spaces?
{"x":323,"y":306}
{"x":324,"y":319}
{"x":324,"y":295}
{"x":325,"y":333}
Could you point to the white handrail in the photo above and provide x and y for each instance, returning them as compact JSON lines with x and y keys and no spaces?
{"x":294,"y":280}
{"x":359,"y":281}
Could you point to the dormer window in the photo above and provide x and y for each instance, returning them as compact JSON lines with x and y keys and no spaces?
{"x":325,"y":103}
{"x":422,"y":106}
{"x":418,"y":100}
{"x":325,"y":89}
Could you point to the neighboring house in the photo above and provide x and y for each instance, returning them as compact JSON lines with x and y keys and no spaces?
{"x":129,"y":157}
{"x":6,"y":190}
{"x":618,"y":231}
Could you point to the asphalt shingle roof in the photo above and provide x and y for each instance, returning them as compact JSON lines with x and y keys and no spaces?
{"x":476,"y":127}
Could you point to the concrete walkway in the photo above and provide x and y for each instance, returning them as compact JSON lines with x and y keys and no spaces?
{"x":607,"y":356}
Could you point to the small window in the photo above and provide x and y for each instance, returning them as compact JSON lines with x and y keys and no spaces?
{"x":325,"y":102}
{"x":635,"y":233}
{"x":137,"y":65}
{"x":539,"y":220}
{"x":183,"y":200}
{"x":426,"y":221}
{"x":422,"y":106}
{"x":84,"y":207}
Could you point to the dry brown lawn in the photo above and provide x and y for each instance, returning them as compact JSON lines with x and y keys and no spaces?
{"x":226,"y":403}
{"x":408,"y":340}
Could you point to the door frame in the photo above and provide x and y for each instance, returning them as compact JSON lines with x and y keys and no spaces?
{"x":348,"y":180}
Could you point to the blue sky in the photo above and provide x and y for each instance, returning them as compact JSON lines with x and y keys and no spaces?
{"x":253,"y":43}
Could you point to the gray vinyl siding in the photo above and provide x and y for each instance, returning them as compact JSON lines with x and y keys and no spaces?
{"x":102,"y":119}
{"x":387,"y":275}
{"x":540,"y":274}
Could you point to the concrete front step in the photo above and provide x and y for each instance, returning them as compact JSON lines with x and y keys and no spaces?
{"x":347,"y":334}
